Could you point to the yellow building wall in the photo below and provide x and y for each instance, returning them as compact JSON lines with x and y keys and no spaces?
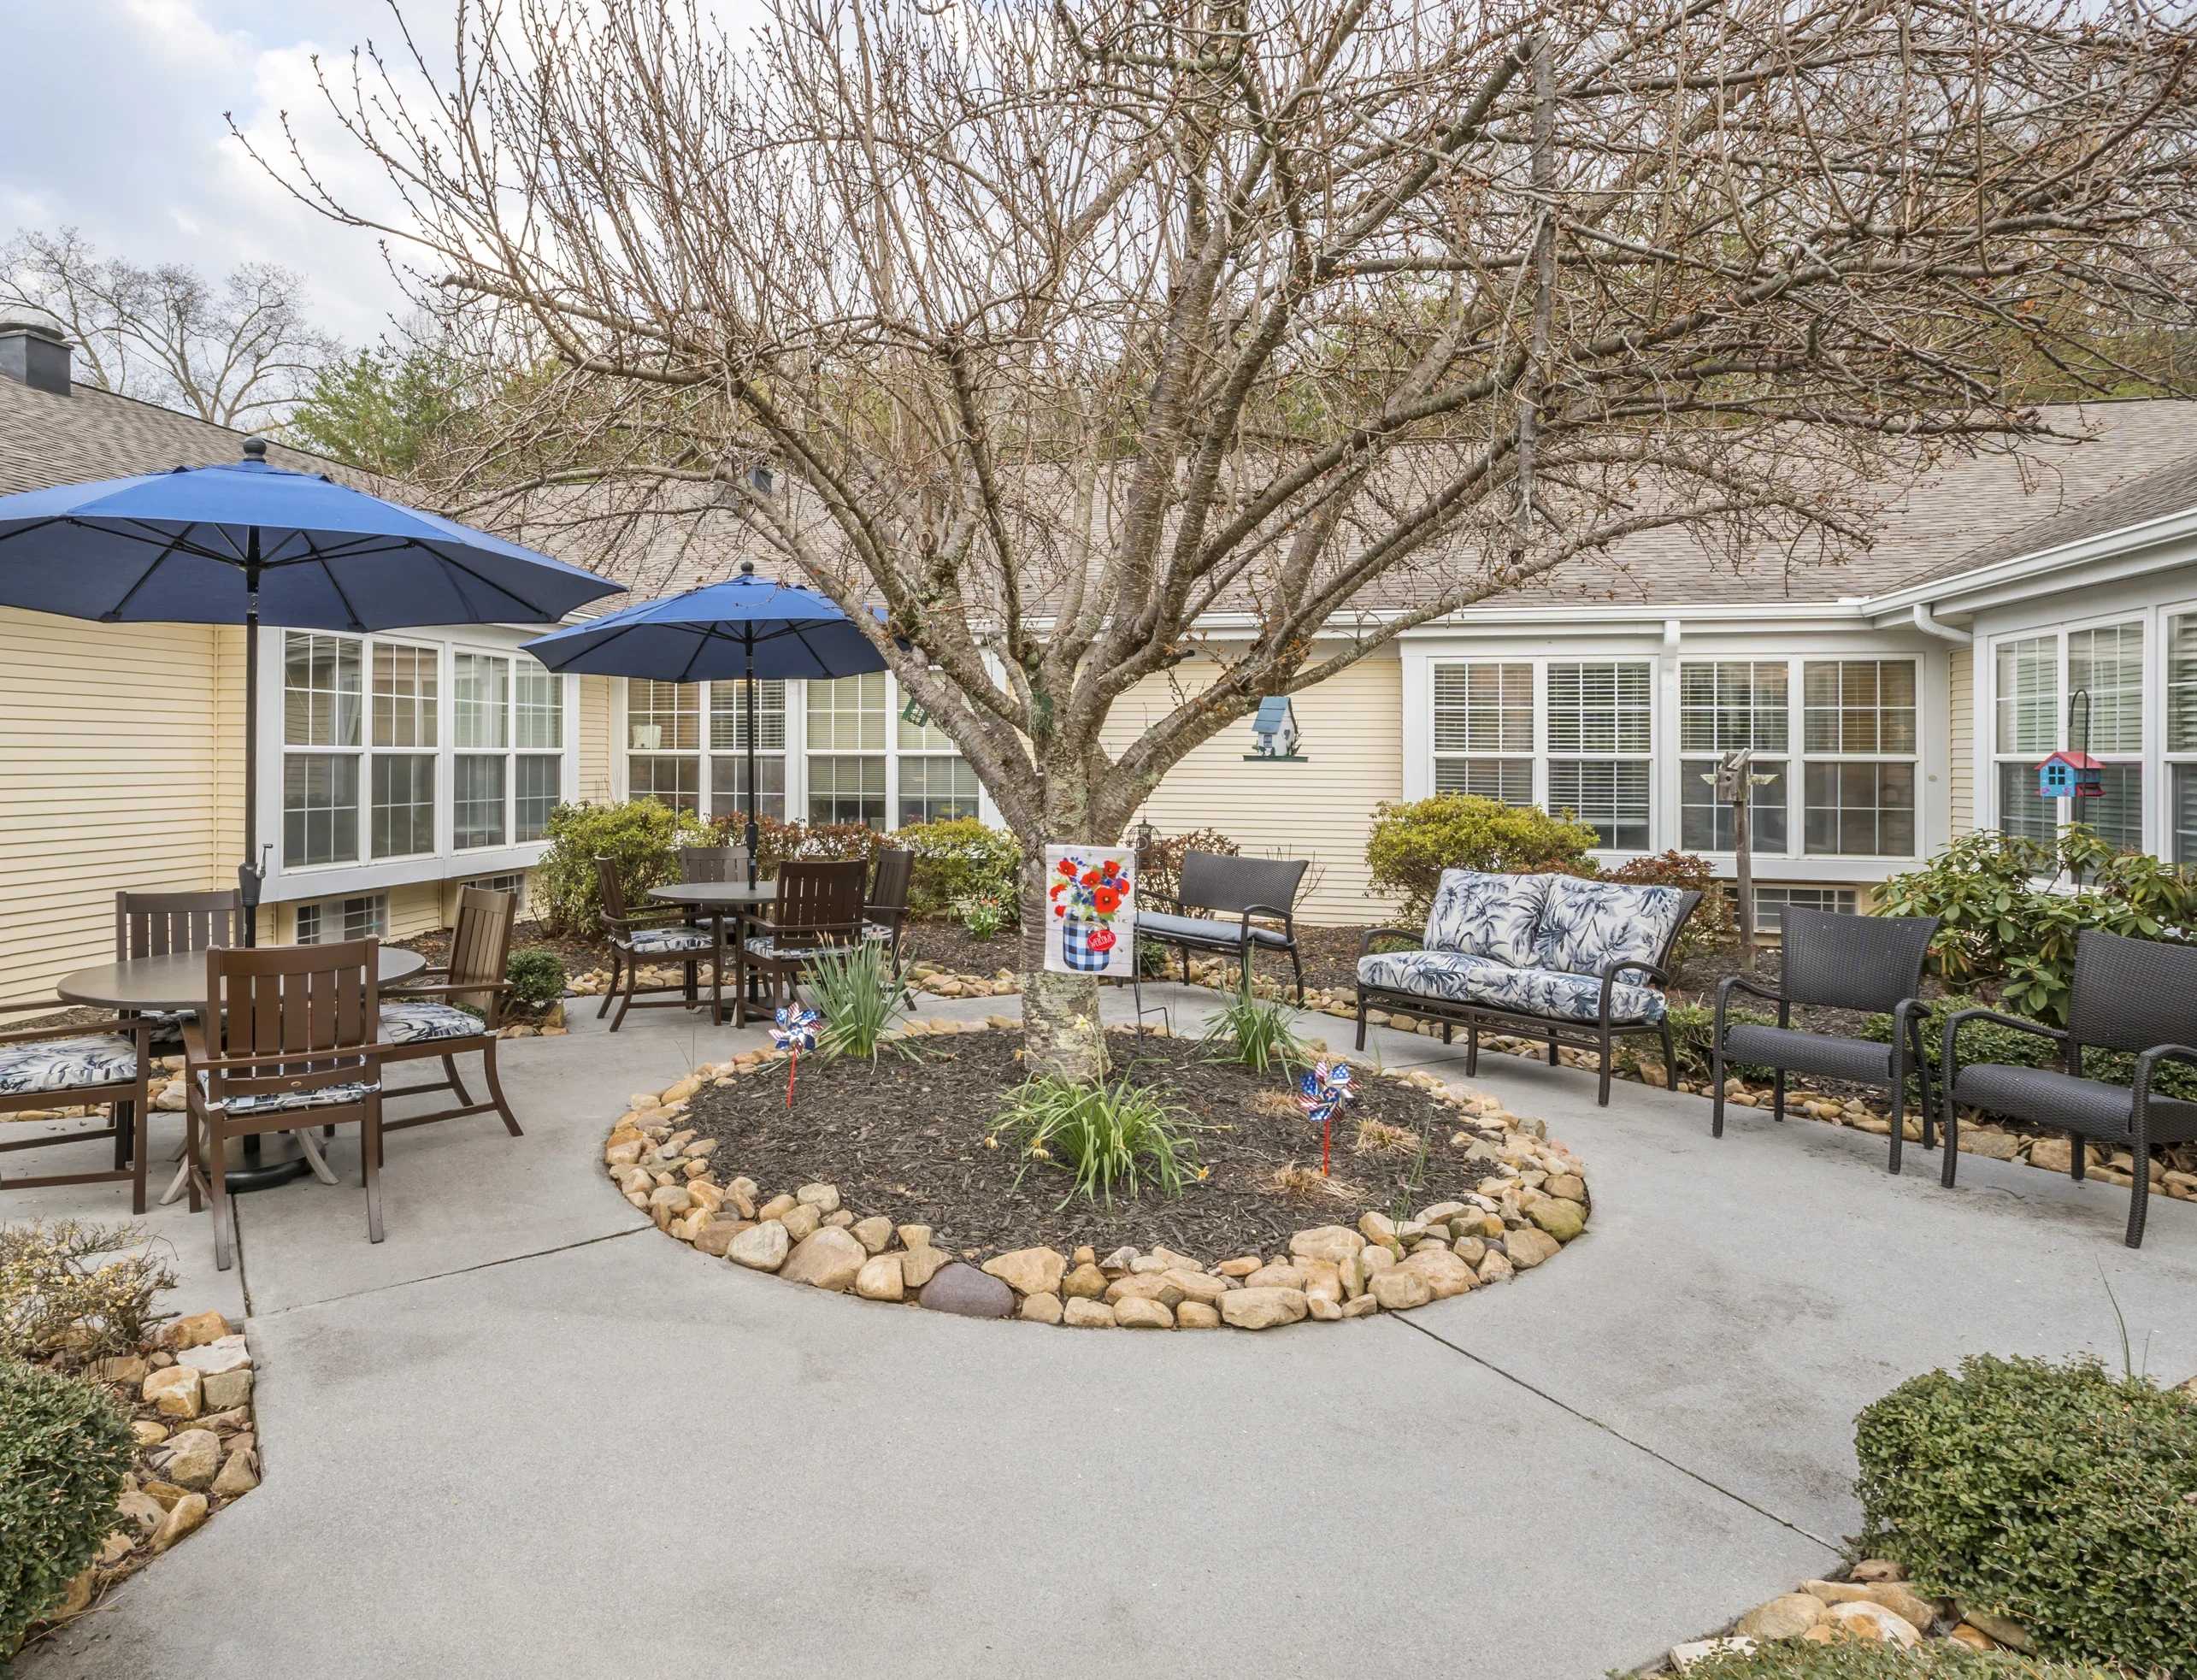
{"x":593,"y":740}
{"x":1352,"y":727}
{"x":1960,"y":776}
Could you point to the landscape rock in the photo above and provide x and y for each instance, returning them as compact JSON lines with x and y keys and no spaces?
{"x":1276,"y":1277}
{"x":143,"y":1510}
{"x":801,"y":1222}
{"x":1087,"y":1315}
{"x":824,"y":1198}
{"x":764,"y":1247}
{"x":1873,"y":1621}
{"x":1787,"y":1617}
{"x":1896,"y":1597}
{"x":1399,"y":1288}
{"x":1139,"y":1313}
{"x":1332,"y":1243}
{"x":918,"y":1266}
{"x":1975,"y":1638}
{"x":1562,"y":1220}
{"x":1241,"y":1267}
{"x":147,"y":1433}
{"x":962,"y":1288}
{"x":1196,"y":1286}
{"x":230,"y":1389}
{"x":1494,"y":1267}
{"x":1445,"y":1273}
{"x":1197,"y":1315}
{"x":1877,"y":1569}
{"x":1324,"y":1309}
{"x":1044,"y":1308}
{"x":915,"y":1236}
{"x":237,"y":1477}
{"x":776,"y":1208}
{"x":1085,"y":1281}
{"x":192,"y":1459}
{"x":827,"y":1259}
{"x":1364,"y":1306}
{"x":716,"y":1237}
{"x":175,"y":1391}
{"x":1683,"y":1657}
{"x":2006,"y":1630}
{"x":188,"y":1513}
{"x":195,"y":1331}
{"x":1029,"y":1271}
{"x":873,"y":1234}
{"x":130,"y":1370}
{"x":1528,"y":1247}
{"x":1568,"y":1185}
{"x":1261,"y":1309}
{"x":881,"y":1279}
{"x":1151,"y":1286}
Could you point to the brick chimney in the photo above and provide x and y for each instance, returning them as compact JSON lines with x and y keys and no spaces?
{"x":33,"y":352}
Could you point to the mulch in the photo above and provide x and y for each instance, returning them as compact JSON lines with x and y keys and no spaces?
{"x":907,"y":1139}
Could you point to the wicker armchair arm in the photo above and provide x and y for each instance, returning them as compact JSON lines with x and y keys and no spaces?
{"x":1289,"y":923}
{"x":1610,"y":981}
{"x":1416,"y":935}
{"x":2147,"y":1063}
{"x":1739,"y":982}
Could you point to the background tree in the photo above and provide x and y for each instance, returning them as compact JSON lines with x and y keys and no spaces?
{"x":1221,"y":341}
{"x":238,"y":353}
{"x":391,"y":409}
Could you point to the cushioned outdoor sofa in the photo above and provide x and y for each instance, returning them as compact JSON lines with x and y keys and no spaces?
{"x":1551,"y":956}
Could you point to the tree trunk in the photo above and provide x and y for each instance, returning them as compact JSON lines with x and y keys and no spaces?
{"x":1061,"y":1034}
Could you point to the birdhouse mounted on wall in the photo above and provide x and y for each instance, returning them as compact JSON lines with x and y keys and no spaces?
{"x":2071,"y":775}
{"x":1274,"y":730}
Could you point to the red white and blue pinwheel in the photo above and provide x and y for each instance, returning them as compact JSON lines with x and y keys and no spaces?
{"x":1320,"y":1093}
{"x":796,"y":1031}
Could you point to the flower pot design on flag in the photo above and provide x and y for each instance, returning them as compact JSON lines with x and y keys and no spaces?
{"x":1086,"y":945}
{"x":1086,"y":895}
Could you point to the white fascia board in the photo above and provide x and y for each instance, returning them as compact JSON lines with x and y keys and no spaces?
{"x":2155,"y":545}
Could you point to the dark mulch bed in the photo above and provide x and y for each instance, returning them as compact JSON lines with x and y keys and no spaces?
{"x":951,"y":946}
{"x":907,"y":1139}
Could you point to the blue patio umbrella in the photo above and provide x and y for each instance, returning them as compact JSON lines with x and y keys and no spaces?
{"x":747,"y":626}
{"x":238,"y":544}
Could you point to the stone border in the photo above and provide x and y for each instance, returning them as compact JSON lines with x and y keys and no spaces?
{"x":1874,"y":1604}
{"x":1533,"y":1201}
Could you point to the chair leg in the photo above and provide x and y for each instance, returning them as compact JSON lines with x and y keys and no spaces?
{"x":1551,"y":1050}
{"x":1298,"y":965}
{"x":314,"y":1159}
{"x":1949,"y":1138}
{"x":2138,"y":1189}
{"x":217,"y":1195}
{"x":1361,"y":1021}
{"x":626,"y":998}
{"x":1899,"y":1104}
{"x":1471,"y":1051}
{"x":1602,"y":1090}
{"x":1669,"y":1056}
{"x":2078,"y":1166}
{"x":191,"y":1151}
{"x":496,"y":1089}
{"x":464,"y":1096}
{"x":1446,"y":1030}
{"x":611,"y":986}
{"x":1185,"y":963}
{"x":1777,"y":1096}
{"x":1715,"y":1085}
{"x":1922,"y":1088}
{"x":370,"y":1157}
{"x":140,"y":1146}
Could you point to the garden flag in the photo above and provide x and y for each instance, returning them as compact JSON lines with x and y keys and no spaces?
{"x":1091,"y":894}
{"x":796,"y":1031}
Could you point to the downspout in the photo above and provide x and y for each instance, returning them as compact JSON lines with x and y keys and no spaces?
{"x":1930,"y":626}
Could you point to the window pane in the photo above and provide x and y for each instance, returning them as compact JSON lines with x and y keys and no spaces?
{"x":663,"y":717}
{"x":403,"y":817}
{"x":309,"y":924}
{"x":403,"y":696}
{"x":2117,"y":816}
{"x":848,"y":715}
{"x":1770,"y":904}
{"x":1610,"y":795}
{"x":919,"y":737}
{"x":728,"y":784}
{"x":1601,"y":707}
{"x":1506,"y":781}
{"x":2020,"y":810}
{"x":540,"y":722}
{"x":728,"y":708}
{"x":535,"y":796}
{"x":480,"y":684}
{"x":319,"y":690}
{"x":935,"y":788}
{"x":2181,"y":685}
{"x":1706,"y":824}
{"x":2109,"y":664}
{"x":319,"y":808}
{"x":1860,"y":810}
{"x":476,"y":802}
{"x":2029,"y":695}
{"x":366,"y":917}
{"x":676,"y":782}
{"x":1730,"y":704}
{"x":847,"y":788}
{"x":1484,"y":707}
{"x":1859,"y":706}
{"x":2185,"y":813}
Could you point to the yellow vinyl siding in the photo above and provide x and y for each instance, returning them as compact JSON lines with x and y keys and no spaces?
{"x":1960,"y":776}
{"x":593,"y":740}
{"x":1351,"y":730}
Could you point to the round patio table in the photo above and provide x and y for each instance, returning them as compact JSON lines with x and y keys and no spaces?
{"x":718,"y":899}
{"x":176,"y":982}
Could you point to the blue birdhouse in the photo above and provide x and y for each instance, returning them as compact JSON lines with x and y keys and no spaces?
{"x":1274,"y":730}
{"x":2071,"y":775}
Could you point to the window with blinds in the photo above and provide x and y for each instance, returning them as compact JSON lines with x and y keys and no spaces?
{"x":2108,"y":665}
{"x":2028,"y":694}
{"x":1728,"y":705}
{"x":1859,"y":732}
{"x":1605,"y":706}
{"x":1484,"y":730}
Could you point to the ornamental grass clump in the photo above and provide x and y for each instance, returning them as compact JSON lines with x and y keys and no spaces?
{"x":1254,"y":1031}
{"x":1108,"y":1137}
{"x":856,"y":991}
{"x":2053,"y":1494}
{"x":64,"y":1447}
{"x":60,"y":1295}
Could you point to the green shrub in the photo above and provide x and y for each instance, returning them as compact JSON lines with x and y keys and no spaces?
{"x":2005,"y":921}
{"x":1714,"y":922}
{"x":1105,"y":1136}
{"x":1257,"y":1032}
{"x":537,"y":976}
{"x":983,"y":918}
{"x":2049,"y":1493}
{"x":957,"y":859}
{"x":804,"y":842}
{"x":1871,"y":1659}
{"x":641,"y":836}
{"x":58,"y":1295}
{"x":1411,"y":844}
{"x":64,"y":1447}
{"x":1693,"y":1036}
{"x":855,"y":990}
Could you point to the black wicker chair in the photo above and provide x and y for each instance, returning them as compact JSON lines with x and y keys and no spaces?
{"x":1872,"y":962}
{"x":2128,"y":994}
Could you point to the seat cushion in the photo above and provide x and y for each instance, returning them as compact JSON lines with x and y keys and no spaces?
{"x":280,"y":1102}
{"x":659,"y":941}
{"x":1819,"y":1053}
{"x":66,"y":1065}
{"x":411,"y":1022}
{"x":1587,"y":925}
{"x":1205,"y":930}
{"x":1451,"y":976}
{"x":2047,"y":1097}
{"x":1497,"y":917}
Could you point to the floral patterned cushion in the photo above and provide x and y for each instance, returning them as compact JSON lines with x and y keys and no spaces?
{"x":1589,"y":924}
{"x":655,"y":941}
{"x":410,"y":1023}
{"x":66,"y":1063}
{"x":1492,"y":915}
{"x":1453,"y":978}
{"x":278,"y":1102}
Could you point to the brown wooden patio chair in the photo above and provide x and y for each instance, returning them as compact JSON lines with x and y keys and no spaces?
{"x":819,"y":907}
{"x":887,"y":909}
{"x":422,"y":1018}
{"x":159,"y":924}
{"x":713,"y":863}
{"x":74,"y":1067}
{"x":291,"y":1041}
{"x":656,"y":936}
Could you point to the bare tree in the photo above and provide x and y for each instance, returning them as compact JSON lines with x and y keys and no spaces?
{"x":238,"y":353}
{"x":1092,"y":340}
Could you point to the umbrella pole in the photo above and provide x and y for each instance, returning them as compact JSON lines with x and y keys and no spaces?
{"x":250,"y":874}
{"x":754,"y":832}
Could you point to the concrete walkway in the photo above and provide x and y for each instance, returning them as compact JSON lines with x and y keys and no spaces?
{"x":528,"y":1437}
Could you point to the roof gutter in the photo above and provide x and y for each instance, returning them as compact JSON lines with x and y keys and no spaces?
{"x":1929,"y":627}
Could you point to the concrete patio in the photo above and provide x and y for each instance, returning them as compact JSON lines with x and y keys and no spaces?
{"x":526,"y":1435}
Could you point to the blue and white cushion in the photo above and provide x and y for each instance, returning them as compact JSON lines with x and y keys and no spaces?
{"x":659,"y":941}
{"x":279,"y":1102}
{"x":1497,"y":917}
{"x":1587,"y":925}
{"x":166,"y":1025}
{"x":1217,"y":930}
{"x":1453,"y":977}
{"x":411,"y":1022}
{"x":66,"y":1063}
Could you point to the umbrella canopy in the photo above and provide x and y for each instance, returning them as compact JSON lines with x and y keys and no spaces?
{"x":240,"y":543}
{"x":747,"y":626}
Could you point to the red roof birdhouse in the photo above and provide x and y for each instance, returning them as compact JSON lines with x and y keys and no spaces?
{"x":2074,"y":776}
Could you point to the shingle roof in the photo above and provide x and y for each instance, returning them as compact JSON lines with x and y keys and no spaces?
{"x":2158,"y":495}
{"x":91,"y":434}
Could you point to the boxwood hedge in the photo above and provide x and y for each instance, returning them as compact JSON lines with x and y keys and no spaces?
{"x":64,"y":1447}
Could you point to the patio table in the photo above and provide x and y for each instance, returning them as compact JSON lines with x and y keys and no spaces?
{"x":176,"y":982}
{"x":718,"y":899}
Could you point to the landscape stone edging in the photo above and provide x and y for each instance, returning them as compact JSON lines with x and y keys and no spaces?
{"x":1330,"y":1272}
{"x":1875,"y":1603}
